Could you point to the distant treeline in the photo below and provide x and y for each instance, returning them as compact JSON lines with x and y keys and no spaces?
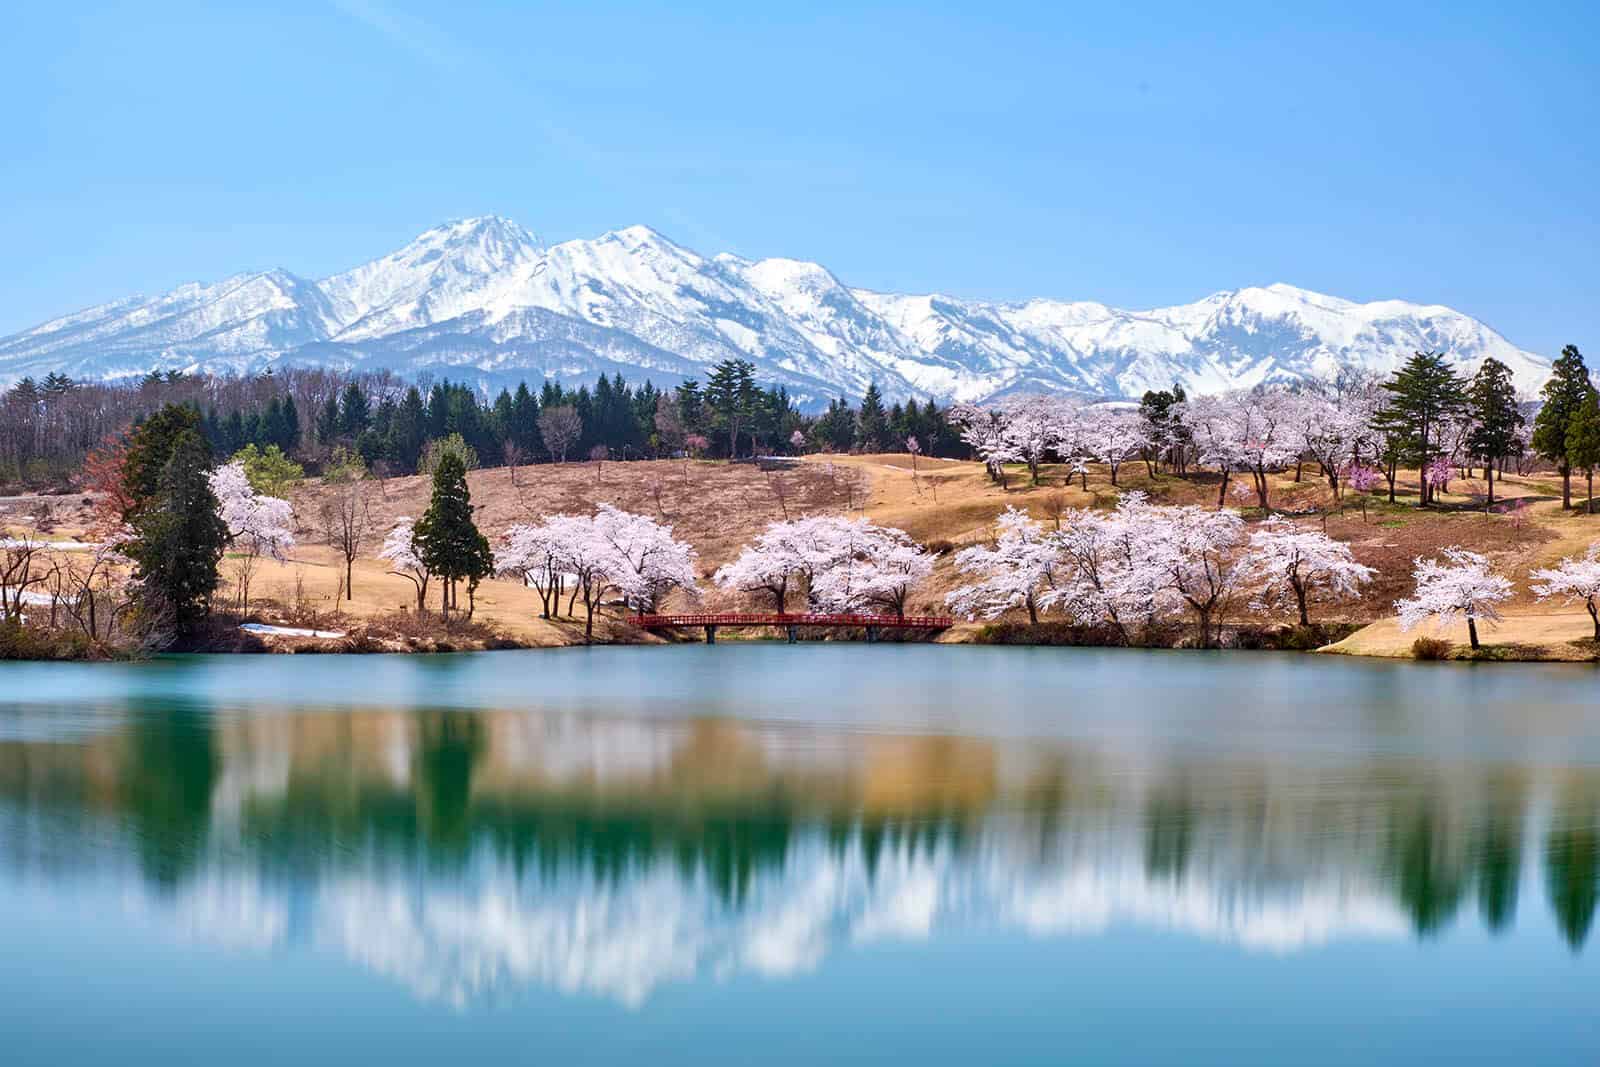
{"x":50,"y":426}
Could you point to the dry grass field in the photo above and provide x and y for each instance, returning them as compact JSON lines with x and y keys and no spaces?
{"x":945,"y":504}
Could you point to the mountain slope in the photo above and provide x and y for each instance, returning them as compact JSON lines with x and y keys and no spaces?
{"x":483,"y":299}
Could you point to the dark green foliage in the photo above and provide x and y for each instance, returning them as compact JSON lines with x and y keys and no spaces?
{"x":731,"y":397}
{"x":151,"y":447}
{"x":1572,"y":875}
{"x":447,"y":539}
{"x":1583,"y":440}
{"x":872,"y":423}
{"x":1423,"y":395}
{"x":1492,"y":400}
{"x":1563,"y":395}
{"x":179,"y":537}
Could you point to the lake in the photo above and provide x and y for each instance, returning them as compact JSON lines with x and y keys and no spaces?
{"x":826,"y":853}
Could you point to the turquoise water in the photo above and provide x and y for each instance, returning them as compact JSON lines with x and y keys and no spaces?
{"x":818,"y":853}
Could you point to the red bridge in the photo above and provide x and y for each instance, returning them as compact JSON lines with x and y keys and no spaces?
{"x":871,"y":623}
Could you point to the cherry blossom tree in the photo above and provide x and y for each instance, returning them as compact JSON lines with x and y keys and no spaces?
{"x":1016,"y":570}
{"x":1196,"y":552}
{"x":1254,"y":432}
{"x":647,"y":562}
{"x":400,"y":550}
{"x":785,"y":556}
{"x":1289,"y":563}
{"x":1362,"y":480}
{"x":533,"y":554}
{"x":258,"y":525}
{"x":1115,"y":437}
{"x":1462,"y":585}
{"x":871,"y":567}
{"x":986,"y":431}
{"x":1106,"y":578}
{"x":1575,"y":581}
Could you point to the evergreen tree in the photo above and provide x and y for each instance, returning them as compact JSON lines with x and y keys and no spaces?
{"x":1563,"y":395}
{"x":354,"y":411}
{"x":731,"y":397}
{"x":290,"y":439}
{"x":328,"y":421}
{"x":1583,"y":441}
{"x":872,"y":424}
{"x":446,"y":538}
{"x":1492,"y":401}
{"x":406,"y":433}
{"x":178,"y":542}
{"x":1423,"y":395}
{"x":150,"y":448}
{"x":524,"y":427}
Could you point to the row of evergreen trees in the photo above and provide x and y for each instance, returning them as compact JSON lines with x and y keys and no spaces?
{"x":1426,"y":393}
{"x":729,"y":416}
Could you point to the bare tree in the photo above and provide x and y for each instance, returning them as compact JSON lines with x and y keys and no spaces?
{"x":20,"y":567}
{"x":560,"y":427}
{"x":346,"y":521}
{"x":514,"y":458}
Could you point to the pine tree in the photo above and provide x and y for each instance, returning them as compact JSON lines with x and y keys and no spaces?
{"x":731,"y":395}
{"x":290,"y":440}
{"x":406,"y":431}
{"x":1583,"y":441}
{"x":872,"y":423}
{"x":1492,"y":400}
{"x":1423,"y":394}
{"x":1563,"y":394}
{"x":151,"y":446}
{"x":447,"y":539}
{"x":178,"y":542}
{"x":354,"y":411}
{"x":328,"y":421}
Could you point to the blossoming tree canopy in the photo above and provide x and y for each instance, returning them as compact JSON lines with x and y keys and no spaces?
{"x":259,"y":524}
{"x":1292,"y":564}
{"x":844,"y":565}
{"x":1575,"y":581}
{"x":1462,"y":585}
{"x":1014,"y":571}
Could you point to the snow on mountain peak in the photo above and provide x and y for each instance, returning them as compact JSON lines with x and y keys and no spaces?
{"x":484,"y":296}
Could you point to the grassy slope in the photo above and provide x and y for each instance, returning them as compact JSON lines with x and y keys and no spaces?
{"x":718,"y":507}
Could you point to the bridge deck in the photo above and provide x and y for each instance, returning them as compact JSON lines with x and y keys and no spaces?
{"x":887,"y":622}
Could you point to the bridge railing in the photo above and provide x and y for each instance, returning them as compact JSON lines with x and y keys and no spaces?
{"x":908,"y":622}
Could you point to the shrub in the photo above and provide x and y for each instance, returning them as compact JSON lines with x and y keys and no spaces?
{"x":1430,"y":648}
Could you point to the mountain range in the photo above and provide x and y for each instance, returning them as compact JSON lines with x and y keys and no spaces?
{"x":484,"y":300}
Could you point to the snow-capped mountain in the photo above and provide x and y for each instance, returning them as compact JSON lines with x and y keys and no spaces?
{"x":483,"y":299}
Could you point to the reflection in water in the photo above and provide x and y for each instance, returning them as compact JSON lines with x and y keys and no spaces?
{"x":461,"y":852}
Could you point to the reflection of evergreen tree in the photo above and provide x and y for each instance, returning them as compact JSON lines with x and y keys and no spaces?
{"x":1429,"y":891}
{"x":1499,"y":865}
{"x":1572,"y":865}
{"x":449,"y":746}
{"x":167,"y":781}
{"x":1169,"y":836}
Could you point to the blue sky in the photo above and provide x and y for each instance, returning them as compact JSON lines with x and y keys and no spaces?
{"x":1443,"y":153}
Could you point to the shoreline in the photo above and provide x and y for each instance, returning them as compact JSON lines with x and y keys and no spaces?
{"x":1333,"y":639}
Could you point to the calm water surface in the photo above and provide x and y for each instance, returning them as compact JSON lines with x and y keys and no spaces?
{"x":811,"y":854}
